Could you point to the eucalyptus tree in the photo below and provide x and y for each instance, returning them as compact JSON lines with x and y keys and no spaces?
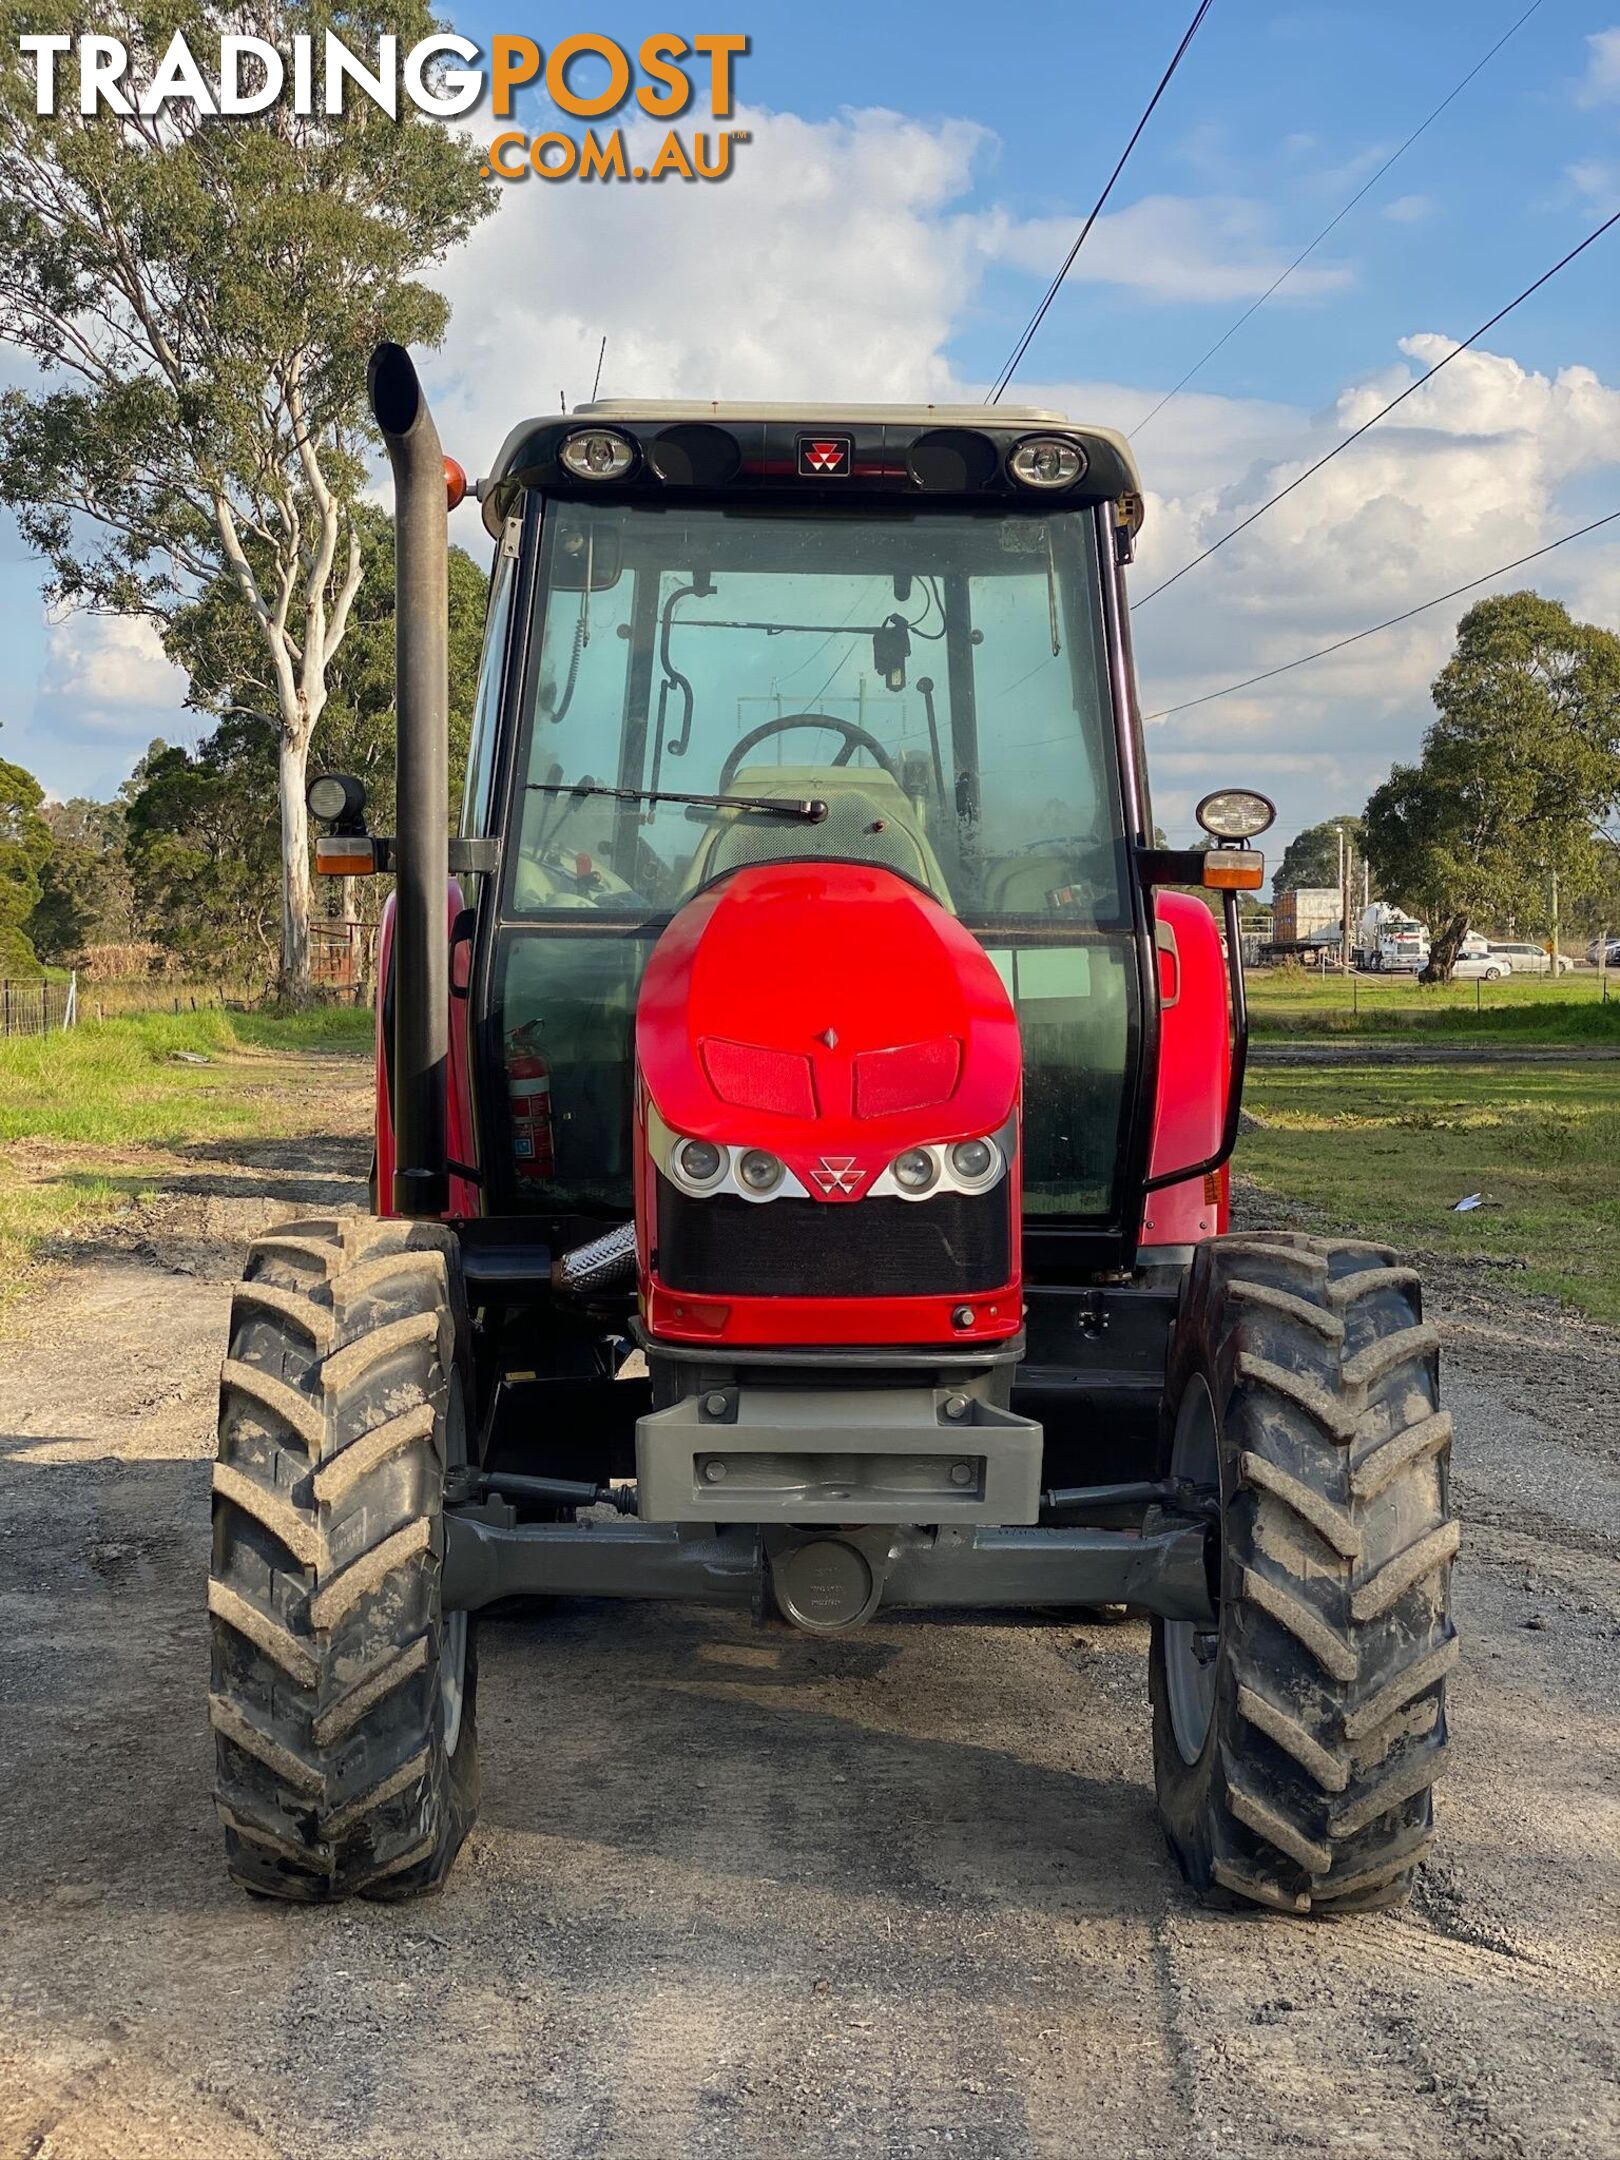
{"x":1519,"y":770}
{"x":198,"y":295}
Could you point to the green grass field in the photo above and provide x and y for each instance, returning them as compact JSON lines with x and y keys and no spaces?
{"x":131,"y":1080}
{"x":1387,"y":1154}
{"x":77,"y":1107}
{"x":1533,"y":1009}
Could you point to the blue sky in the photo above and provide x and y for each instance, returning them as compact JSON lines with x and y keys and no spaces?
{"x":914,"y":179}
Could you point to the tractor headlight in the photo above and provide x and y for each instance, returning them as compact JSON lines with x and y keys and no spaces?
{"x":1046,"y":461}
{"x":1236,"y":813}
{"x":976,"y":1163}
{"x":915,"y":1169}
{"x":698,"y":1164}
{"x":760,"y":1170}
{"x":335,"y":798}
{"x":597,"y":454}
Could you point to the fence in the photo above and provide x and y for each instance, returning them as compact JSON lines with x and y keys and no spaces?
{"x":342,"y":956}
{"x":128,"y":1000}
{"x":37,"y":1008}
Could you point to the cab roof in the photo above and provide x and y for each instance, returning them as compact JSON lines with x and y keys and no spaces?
{"x":532,"y":443}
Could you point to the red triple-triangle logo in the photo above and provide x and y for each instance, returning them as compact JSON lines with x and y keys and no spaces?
{"x":822,"y":456}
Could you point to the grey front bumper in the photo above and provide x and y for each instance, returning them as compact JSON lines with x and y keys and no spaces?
{"x":913,"y":1454}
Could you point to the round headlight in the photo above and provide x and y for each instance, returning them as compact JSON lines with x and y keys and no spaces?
{"x":760,"y":1170}
{"x":1235,"y":813}
{"x":915,"y":1169}
{"x":1047,"y":461}
{"x":333,"y":795}
{"x":700,"y":1162}
{"x":973,"y":1160}
{"x":597,"y":454}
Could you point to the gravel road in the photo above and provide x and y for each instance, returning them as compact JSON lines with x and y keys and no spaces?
{"x":751,"y":1894}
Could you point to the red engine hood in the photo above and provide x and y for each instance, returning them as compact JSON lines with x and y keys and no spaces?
{"x":825,"y":1008}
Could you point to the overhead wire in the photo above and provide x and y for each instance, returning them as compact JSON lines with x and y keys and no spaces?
{"x":1339,"y":644}
{"x":1382,"y":413}
{"x":1365,"y":189}
{"x":1010,"y":366}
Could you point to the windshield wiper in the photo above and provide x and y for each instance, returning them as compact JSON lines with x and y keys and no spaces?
{"x":812,"y":811}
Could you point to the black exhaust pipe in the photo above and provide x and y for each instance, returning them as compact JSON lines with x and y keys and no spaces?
{"x":422,"y":766}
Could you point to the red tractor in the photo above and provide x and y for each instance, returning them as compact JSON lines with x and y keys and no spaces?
{"x":805,"y":1095}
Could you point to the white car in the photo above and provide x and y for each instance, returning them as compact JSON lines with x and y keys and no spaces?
{"x":1532,"y":959}
{"x":1482,"y":967}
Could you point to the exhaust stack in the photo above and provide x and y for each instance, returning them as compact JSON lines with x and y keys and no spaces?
{"x":422,"y":767}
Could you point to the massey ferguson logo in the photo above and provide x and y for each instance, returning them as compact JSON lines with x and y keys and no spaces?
{"x":838,"y":1173}
{"x":825,"y":457}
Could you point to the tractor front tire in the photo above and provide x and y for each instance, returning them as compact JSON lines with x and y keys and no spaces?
{"x":1297,"y":1742}
{"x":342,"y":1695}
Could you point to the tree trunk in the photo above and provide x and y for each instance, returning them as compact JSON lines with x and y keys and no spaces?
{"x":1443,"y":951}
{"x":293,"y":983}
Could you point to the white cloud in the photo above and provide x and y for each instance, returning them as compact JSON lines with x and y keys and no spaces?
{"x":1466,"y":476}
{"x":830,"y":264}
{"x":1170,"y":247}
{"x":1409,"y":209}
{"x":1598,"y":181}
{"x":835,"y":262}
{"x":1601,"y":83}
{"x":106,"y":681}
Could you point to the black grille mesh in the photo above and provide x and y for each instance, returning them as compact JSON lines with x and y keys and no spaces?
{"x":955,"y":1244}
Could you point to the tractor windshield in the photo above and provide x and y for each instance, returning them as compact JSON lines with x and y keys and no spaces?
{"x":935,"y":679}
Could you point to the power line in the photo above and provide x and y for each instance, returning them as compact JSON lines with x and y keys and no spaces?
{"x":1382,"y":413}
{"x":1366,"y":189}
{"x":1016,"y":355}
{"x":1422,"y":607}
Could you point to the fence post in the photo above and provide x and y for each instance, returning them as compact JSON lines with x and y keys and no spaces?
{"x":70,"y":1011}
{"x":8,"y":1008}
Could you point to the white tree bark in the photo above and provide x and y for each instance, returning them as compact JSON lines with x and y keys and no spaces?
{"x":292,"y":766}
{"x":303,"y":565}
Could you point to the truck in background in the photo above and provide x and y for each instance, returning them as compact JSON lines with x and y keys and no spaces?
{"x":1389,"y":939}
{"x":1305,"y":925}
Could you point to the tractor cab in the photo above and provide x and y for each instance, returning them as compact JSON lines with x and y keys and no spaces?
{"x":728,"y":637}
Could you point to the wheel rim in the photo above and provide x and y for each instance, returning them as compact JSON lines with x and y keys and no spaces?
{"x":453,"y":1626}
{"x":1192,"y":1652}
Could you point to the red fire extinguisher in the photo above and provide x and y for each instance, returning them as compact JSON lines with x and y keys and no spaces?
{"x":528,"y":1085}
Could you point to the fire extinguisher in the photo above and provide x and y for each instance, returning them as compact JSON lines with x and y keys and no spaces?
{"x":528,"y":1086}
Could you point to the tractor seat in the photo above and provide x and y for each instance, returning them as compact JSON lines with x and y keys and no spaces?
{"x":870,"y":819}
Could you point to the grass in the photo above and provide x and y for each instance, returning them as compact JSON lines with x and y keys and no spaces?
{"x":77,"y":1107}
{"x":1388,"y":1155}
{"x":119,"y":1081}
{"x":1535,"y":1009}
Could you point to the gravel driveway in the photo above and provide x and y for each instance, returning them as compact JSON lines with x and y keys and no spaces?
{"x":756,"y":1894}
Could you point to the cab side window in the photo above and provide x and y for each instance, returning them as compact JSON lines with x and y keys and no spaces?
{"x":475,"y":808}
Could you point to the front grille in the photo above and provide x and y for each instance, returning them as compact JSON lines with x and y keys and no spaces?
{"x":954,"y":1244}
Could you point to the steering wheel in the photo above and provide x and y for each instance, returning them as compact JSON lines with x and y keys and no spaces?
{"x":855,"y":738}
